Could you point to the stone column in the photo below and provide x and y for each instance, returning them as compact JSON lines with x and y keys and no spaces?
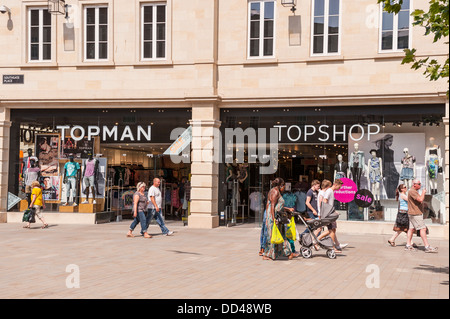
{"x":204,"y":167}
{"x":5,"y":124}
{"x":446,"y":160}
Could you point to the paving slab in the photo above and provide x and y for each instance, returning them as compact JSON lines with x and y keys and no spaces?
{"x":99,"y":261}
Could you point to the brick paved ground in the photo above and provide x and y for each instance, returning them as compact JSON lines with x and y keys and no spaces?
{"x":217,"y":263}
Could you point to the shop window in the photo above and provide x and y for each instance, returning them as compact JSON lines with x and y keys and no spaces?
{"x":395,"y":29}
{"x":96,"y":33}
{"x":261,"y":39}
{"x":326,"y":27}
{"x":153,"y":31}
{"x":39,"y":35}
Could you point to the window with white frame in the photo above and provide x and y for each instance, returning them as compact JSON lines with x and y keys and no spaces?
{"x":96,"y":33}
{"x":40,"y":35}
{"x":261,"y":29}
{"x":395,"y":29}
{"x":326,"y":27}
{"x":153,"y":31}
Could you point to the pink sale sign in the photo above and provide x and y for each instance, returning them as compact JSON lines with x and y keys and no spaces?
{"x":347,"y":192}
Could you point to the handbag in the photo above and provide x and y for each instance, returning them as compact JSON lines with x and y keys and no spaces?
{"x":276,"y":238}
{"x":291,"y":232}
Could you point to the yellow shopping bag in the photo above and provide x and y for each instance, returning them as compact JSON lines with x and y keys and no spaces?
{"x":276,"y":235}
{"x":291,"y":232}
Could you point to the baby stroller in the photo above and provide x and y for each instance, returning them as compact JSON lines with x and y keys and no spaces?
{"x":307,"y":238}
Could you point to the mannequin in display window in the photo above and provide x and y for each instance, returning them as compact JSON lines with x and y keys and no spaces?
{"x":375,"y":176}
{"x":408,"y":172}
{"x":341,"y":168}
{"x":71,"y":179}
{"x":356,"y":164}
{"x":433,"y":161}
{"x":89,"y":177}
{"x":31,"y":175}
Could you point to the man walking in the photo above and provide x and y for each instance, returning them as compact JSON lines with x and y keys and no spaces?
{"x":415,"y":214}
{"x":154,"y":207}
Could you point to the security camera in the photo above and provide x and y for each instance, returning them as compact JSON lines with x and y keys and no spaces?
{"x":4,"y":9}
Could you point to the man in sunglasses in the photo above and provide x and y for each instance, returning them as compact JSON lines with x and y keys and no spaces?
{"x":415,"y":213}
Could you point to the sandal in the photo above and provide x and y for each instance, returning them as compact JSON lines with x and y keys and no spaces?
{"x":130,"y":235}
{"x":45,"y":226}
{"x":410,"y":248}
{"x":261,"y":252}
{"x":391,"y":243}
{"x":26,"y":226}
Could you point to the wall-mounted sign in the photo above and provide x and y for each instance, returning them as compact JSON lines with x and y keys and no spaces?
{"x":112,"y":134}
{"x":13,"y":79}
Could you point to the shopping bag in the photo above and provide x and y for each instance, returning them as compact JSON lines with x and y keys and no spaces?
{"x":291,"y":230}
{"x":31,"y":218}
{"x":277,"y":238}
{"x":26,"y":215}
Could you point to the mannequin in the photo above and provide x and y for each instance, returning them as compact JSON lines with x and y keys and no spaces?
{"x":33,"y":173}
{"x":89,"y":176}
{"x":375,"y":176}
{"x":357,"y":164}
{"x":341,"y":168}
{"x":433,"y":160}
{"x":408,"y":172}
{"x":71,"y":179}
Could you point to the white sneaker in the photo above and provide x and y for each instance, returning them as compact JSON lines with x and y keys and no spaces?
{"x":94,"y":202}
{"x":343,"y":246}
{"x":75,"y":204}
{"x":65,"y":204}
{"x":85,"y":202}
{"x":170,"y":233}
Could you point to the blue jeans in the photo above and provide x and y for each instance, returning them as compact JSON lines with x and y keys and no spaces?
{"x":263,"y":236}
{"x":140,"y":218}
{"x":159,"y":219}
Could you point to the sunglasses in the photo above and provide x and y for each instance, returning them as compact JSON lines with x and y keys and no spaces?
{"x":417,"y":183}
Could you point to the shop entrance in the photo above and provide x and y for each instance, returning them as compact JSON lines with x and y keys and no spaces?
{"x":131,"y":164}
{"x":244,"y":189}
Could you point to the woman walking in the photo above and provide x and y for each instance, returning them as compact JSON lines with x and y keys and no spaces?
{"x":402,"y":221}
{"x":274,"y":205}
{"x":37,"y":203}
{"x":140,"y":203}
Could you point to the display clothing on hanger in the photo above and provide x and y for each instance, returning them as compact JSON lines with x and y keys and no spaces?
{"x":31,"y":175}
{"x":256,"y":201}
{"x":289,"y":200}
{"x":407,"y":171}
{"x":300,"y":205}
{"x":375,"y":170}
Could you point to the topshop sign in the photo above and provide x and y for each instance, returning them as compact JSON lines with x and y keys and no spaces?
{"x":326,"y":133}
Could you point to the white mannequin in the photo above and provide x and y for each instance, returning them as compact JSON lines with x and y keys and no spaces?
{"x":356,"y":170}
{"x":340,"y":162}
{"x":408,"y":182}
{"x":433,"y":153}
{"x":375,"y":185}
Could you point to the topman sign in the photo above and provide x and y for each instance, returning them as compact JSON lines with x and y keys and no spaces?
{"x":124,"y":134}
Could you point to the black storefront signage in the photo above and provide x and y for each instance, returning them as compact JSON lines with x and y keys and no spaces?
{"x":13,"y":79}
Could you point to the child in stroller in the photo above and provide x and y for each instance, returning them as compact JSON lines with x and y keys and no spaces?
{"x":308,"y":239}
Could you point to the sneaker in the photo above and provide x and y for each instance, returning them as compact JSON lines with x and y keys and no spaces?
{"x":342,"y":246}
{"x":65,"y":204}
{"x":410,"y":248}
{"x":170,"y":233}
{"x":85,"y":202}
{"x":430,"y":249}
{"x":75,"y":204}
{"x":94,"y":202}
